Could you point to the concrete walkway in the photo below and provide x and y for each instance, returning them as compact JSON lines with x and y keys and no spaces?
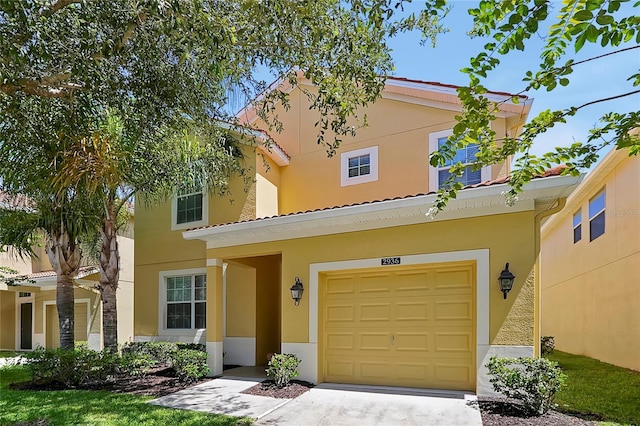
{"x":329,"y":404}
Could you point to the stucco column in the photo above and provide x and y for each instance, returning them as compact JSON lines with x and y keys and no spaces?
{"x":214,"y":315}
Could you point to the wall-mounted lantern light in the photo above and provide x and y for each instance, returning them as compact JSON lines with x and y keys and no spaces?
{"x":296,"y":291}
{"x":506,"y":280}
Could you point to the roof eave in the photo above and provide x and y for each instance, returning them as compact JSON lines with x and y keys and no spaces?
{"x":472,"y":202}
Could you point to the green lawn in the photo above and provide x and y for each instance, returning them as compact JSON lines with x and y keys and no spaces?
{"x":611,"y":393}
{"x":90,"y":407}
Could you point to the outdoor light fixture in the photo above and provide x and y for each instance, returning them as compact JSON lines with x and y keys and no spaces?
{"x":296,"y":291}
{"x":506,"y":280}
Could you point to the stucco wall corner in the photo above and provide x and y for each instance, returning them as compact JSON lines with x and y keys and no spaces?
{"x":518,"y":325}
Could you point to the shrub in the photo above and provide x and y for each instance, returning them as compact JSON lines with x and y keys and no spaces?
{"x":189,"y":365}
{"x":159,"y":352}
{"x":136,"y":363}
{"x":192,"y":346}
{"x":533,"y":381}
{"x":547,"y":345}
{"x":283,"y":368}
{"x":70,"y":367}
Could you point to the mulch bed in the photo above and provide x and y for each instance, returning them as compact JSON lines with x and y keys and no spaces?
{"x":158,"y":382}
{"x":505,"y":412}
{"x":269,"y":388}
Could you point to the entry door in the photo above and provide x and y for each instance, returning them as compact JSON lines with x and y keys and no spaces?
{"x":26,"y":325}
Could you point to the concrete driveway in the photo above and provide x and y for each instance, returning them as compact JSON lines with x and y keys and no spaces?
{"x":329,"y":404}
{"x":345,"y":405}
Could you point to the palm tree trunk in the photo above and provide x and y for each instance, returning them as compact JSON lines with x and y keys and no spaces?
{"x":109,"y":277}
{"x":64,"y":255}
{"x":66,"y":312}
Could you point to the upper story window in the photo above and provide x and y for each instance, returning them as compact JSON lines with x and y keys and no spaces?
{"x":438,"y":176}
{"x":189,"y":210}
{"x":186,"y":305}
{"x":577,"y":226}
{"x":597,"y":215}
{"x":359,"y":166}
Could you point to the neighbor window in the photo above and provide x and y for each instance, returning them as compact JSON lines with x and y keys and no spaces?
{"x":577,"y":226}
{"x":359,"y":166}
{"x":596,"y":215}
{"x":186,"y":301}
{"x":189,"y":210}
{"x":439,"y":176}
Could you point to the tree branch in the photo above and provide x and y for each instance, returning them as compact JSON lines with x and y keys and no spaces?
{"x":56,"y":6}
{"x":597,"y":101}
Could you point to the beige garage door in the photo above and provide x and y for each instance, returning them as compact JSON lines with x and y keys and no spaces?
{"x":400,"y":326}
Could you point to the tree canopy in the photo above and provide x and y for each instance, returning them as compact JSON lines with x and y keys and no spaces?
{"x":566,"y":28}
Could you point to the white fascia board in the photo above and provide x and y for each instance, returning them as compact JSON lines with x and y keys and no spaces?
{"x":424,"y":86}
{"x":272,"y":150}
{"x":473,"y":202}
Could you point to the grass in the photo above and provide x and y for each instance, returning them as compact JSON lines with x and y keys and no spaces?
{"x":611,"y":393}
{"x":91,"y":407}
{"x":8,"y":354}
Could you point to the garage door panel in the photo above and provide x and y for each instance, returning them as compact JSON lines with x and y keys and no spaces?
{"x":411,"y":311}
{"x":410,"y":342}
{"x":373,"y":370}
{"x":340,"y":286}
{"x":338,"y":341}
{"x":404,"y":327}
{"x":341,"y":369}
{"x":452,"y":279}
{"x":337,"y":313}
{"x":453,"y":310}
{"x":374,"y":284}
{"x":453,"y":342}
{"x":452,"y":373}
{"x":418,"y":372}
{"x":374,"y":312}
{"x":411,"y":281}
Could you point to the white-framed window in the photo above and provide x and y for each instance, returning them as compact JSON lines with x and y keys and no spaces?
{"x":359,"y":166}
{"x":438,"y":176}
{"x":577,"y":226}
{"x":597,"y":215}
{"x":183,"y":300}
{"x":189,"y":210}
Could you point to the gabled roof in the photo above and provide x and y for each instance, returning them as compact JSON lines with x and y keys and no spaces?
{"x":477,"y":200}
{"x":410,"y":90}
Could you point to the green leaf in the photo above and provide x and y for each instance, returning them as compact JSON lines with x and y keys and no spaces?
{"x":583,"y":15}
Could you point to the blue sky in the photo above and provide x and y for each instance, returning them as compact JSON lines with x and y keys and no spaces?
{"x":594,"y":80}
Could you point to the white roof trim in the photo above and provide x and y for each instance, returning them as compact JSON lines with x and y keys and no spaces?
{"x":492,"y":96}
{"x":472,"y":202}
{"x":272,"y":150}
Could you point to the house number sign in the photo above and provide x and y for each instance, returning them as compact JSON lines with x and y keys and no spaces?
{"x":390,"y":261}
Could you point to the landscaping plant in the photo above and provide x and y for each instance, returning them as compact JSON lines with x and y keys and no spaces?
{"x":533,"y":381}
{"x":547,"y":345}
{"x":189,"y":365}
{"x":283,"y":368}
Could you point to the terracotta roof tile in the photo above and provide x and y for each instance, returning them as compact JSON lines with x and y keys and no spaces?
{"x":19,"y":201}
{"x":82,"y":272}
{"x":449,"y":86}
{"x":555,"y":171}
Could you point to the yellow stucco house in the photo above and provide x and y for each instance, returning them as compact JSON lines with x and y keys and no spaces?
{"x":390,"y":296}
{"x":28,"y":314}
{"x":590,"y":265}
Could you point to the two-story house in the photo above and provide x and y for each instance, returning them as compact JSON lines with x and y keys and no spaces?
{"x":590,"y":265}
{"x":390,"y":297}
{"x":28,"y":313}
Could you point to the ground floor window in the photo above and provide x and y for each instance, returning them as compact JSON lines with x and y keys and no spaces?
{"x":186,"y":301}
